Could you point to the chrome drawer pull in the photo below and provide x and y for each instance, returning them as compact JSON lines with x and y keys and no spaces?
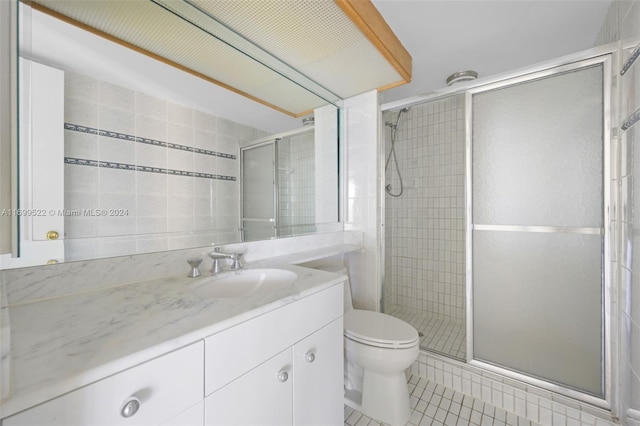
{"x":310,"y":356}
{"x":130,"y":407}
{"x":283,"y":376}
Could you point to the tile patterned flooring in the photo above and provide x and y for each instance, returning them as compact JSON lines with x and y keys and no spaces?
{"x":439,"y":335}
{"x":435,"y":405}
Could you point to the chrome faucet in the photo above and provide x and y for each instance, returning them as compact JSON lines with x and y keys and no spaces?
{"x":216,"y":255}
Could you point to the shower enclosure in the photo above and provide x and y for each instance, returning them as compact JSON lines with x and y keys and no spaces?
{"x":498,"y":249}
{"x":537,"y":245}
{"x":425,"y":251}
{"x":278,"y":186}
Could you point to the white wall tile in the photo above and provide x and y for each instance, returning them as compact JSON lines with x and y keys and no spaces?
{"x":425,"y":225}
{"x":116,"y":120}
{"x":149,"y":197}
{"x":114,"y":96}
{"x":116,"y":150}
{"x":79,"y":86}
{"x":81,"y":112}
{"x":151,"y":106}
{"x":81,"y":145}
{"x":151,"y":128}
{"x":623,"y":23}
{"x":510,"y":396}
{"x":179,"y":114}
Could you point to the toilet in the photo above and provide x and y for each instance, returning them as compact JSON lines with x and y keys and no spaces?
{"x":378,"y":349}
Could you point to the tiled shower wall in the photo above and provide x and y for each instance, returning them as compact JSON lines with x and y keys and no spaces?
{"x":167,"y":175}
{"x":296,"y":184}
{"x":623,"y":23}
{"x":425,"y":227}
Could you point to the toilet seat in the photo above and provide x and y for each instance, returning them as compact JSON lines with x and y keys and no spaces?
{"x":378,"y":329}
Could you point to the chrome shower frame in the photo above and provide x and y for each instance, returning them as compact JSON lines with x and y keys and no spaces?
{"x":268,"y":140}
{"x":604,"y":60}
{"x":607,"y":55}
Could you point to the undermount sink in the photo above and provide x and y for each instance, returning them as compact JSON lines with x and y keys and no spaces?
{"x":243,"y":282}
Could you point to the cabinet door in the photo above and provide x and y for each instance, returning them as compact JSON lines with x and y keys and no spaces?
{"x":192,"y":416}
{"x":318,"y":383}
{"x":262,"y":396}
{"x":165,"y":386}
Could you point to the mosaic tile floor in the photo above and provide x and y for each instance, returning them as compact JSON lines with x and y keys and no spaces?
{"x":439,"y":335}
{"x":435,"y":405}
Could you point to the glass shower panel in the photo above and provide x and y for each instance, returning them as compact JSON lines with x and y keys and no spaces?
{"x":258,"y":189}
{"x":537,"y":156}
{"x":296,"y":184}
{"x":537,"y":152}
{"x":537,"y":305}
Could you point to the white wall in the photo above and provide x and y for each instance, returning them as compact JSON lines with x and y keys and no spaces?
{"x":363,"y":209}
{"x":623,"y":23}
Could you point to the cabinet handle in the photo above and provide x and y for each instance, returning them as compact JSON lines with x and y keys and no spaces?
{"x":130,"y":407}
{"x":310,"y":356}
{"x":283,"y":376}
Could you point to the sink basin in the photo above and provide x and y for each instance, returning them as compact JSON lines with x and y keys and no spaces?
{"x":243,"y":282}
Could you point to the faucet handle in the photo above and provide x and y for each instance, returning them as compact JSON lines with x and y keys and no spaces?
{"x":194,"y":263}
{"x":235,"y":260}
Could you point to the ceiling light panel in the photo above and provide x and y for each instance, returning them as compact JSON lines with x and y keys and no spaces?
{"x":313,"y":36}
{"x":144,"y":24}
{"x":292,"y":55}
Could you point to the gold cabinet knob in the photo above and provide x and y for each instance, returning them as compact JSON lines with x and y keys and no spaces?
{"x":52,"y":235}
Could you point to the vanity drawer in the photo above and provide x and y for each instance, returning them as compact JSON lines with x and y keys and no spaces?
{"x":165,"y":387}
{"x":233,"y":352}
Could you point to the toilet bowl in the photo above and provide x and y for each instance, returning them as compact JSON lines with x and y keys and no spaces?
{"x":378,"y":349}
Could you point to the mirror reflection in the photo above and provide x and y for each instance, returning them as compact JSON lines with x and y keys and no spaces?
{"x":122,"y":154}
{"x":287,"y":186}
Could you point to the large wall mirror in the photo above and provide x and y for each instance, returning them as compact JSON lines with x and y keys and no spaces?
{"x":120,"y":153}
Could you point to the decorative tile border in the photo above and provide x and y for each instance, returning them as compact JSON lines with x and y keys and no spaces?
{"x":137,"y":139}
{"x":138,"y":168}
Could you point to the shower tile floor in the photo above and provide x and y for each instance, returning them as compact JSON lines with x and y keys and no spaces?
{"x":435,"y":405}
{"x":439,"y":335}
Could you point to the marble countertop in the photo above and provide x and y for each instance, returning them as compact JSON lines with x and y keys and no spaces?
{"x":63,"y":343}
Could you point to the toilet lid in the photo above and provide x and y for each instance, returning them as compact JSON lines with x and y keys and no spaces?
{"x":377,"y":329}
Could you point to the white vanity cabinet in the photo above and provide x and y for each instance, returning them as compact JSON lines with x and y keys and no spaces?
{"x":165,"y":388}
{"x":260,"y":397}
{"x":318,"y":384}
{"x":284,"y":367}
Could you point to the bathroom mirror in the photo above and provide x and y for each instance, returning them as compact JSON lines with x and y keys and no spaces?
{"x":121,"y":154}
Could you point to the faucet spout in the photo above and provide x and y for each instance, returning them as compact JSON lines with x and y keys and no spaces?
{"x":216,"y":255}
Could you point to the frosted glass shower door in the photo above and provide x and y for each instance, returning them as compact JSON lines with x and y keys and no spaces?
{"x":536,"y":226}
